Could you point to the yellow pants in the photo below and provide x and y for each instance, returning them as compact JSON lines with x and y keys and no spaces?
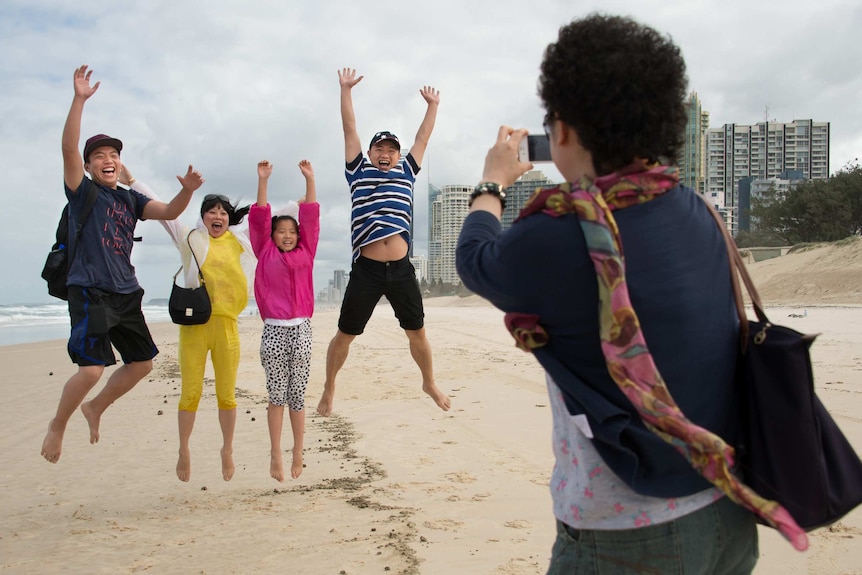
{"x":220,"y":337}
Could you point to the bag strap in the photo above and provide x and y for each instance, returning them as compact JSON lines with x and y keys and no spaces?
{"x":92,"y":195}
{"x":200,"y":274}
{"x":738,"y":270}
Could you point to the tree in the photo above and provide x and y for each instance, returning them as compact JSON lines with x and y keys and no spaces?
{"x":813,"y":211}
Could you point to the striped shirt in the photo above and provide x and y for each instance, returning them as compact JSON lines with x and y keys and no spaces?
{"x":382,"y":202}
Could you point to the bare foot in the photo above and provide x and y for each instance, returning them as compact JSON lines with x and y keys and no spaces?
{"x":325,"y":406}
{"x":276,"y":467}
{"x":52,"y":445}
{"x":227,"y":463}
{"x":296,"y":466}
{"x":440,"y":398}
{"x":92,"y":421}
{"x":184,"y":465}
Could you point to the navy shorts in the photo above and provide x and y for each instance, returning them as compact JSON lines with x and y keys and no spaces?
{"x":369,"y":281}
{"x":101,"y":319}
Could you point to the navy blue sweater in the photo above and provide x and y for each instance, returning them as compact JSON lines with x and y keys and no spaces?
{"x":679,"y":281}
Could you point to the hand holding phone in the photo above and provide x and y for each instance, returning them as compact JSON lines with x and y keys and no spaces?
{"x":535,"y":148}
{"x":502,"y":165}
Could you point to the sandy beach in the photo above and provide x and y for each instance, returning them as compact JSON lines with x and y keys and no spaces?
{"x":391,"y":483}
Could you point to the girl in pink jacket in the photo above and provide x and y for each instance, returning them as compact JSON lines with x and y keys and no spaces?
{"x":285,"y":246}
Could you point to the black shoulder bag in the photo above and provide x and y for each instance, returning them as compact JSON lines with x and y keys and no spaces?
{"x":190,"y":306}
{"x":792,"y":451}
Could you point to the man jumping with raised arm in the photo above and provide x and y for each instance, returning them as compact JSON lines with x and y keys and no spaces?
{"x":381,"y":192}
{"x":104,"y":294}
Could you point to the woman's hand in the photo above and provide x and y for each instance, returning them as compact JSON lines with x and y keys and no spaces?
{"x":502,"y":165}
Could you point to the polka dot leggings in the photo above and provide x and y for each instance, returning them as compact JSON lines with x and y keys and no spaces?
{"x":285,"y":354}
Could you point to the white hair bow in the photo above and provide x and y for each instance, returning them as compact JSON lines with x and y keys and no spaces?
{"x":291,"y":209}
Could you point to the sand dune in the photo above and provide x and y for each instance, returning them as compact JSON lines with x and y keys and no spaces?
{"x":823,"y":274}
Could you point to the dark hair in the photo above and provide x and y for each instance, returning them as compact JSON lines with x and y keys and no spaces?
{"x":276,"y":219}
{"x":621,"y":85}
{"x":235,"y":214}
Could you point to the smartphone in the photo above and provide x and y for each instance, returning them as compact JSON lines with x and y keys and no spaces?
{"x":535,"y":148}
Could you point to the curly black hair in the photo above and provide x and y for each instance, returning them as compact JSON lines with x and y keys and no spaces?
{"x":621,"y":85}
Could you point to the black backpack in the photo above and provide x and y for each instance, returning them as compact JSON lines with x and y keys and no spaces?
{"x":56,"y":269}
{"x":59,"y":260}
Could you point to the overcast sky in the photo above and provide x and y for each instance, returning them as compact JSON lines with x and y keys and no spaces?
{"x":222,"y":84}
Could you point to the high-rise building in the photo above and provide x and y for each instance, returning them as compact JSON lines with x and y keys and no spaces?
{"x":764,"y":188}
{"x":420,"y":265}
{"x":446,"y":216}
{"x":692,"y":158}
{"x":433,"y":236}
{"x":518,"y":193}
{"x":334,"y":291}
{"x":762,"y":151}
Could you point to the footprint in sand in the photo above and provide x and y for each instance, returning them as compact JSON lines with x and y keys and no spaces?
{"x":444,"y":525}
{"x":841,"y":531}
{"x":460,"y":477}
{"x":440,"y":488}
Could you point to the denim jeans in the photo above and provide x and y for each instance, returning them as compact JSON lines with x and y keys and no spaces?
{"x":720,"y":539}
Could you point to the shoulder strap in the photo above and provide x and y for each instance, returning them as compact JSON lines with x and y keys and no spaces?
{"x":738,"y":270}
{"x":92,"y":195}
{"x":200,"y":274}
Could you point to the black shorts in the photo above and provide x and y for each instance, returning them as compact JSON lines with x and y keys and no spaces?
{"x":100,"y":319}
{"x":369,"y":280}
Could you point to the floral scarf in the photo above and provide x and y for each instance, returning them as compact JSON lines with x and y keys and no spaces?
{"x":629,"y":361}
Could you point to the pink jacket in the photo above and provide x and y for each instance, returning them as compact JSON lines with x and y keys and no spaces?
{"x":283,"y":281}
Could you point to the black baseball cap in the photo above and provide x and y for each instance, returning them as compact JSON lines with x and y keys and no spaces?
{"x":380,"y":136}
{"x":98,"y":141}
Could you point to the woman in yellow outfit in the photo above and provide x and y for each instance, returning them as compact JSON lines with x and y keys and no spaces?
{"x":223,"y":253}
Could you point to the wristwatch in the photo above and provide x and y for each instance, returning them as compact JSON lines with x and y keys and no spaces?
{"x":491,"y":188}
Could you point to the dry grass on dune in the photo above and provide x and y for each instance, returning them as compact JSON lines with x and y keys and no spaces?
{"x":812,"y":274}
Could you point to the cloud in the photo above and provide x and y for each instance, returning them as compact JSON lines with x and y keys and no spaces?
{"x":222,"y":85}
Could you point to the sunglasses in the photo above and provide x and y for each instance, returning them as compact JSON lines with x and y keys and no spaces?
{"x":219,"y":197}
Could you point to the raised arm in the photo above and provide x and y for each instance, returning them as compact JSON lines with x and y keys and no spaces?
{"x":310,"y":189}
{"x":264,"y":171}
{"x":352,"y":147}
{"x":156,"y":210}
{"x":432,"y":97}
{"x":73,"y":163}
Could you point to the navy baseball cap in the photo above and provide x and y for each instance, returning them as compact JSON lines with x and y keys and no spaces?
{"x":380,"y":136}
{"x":98,"y":141}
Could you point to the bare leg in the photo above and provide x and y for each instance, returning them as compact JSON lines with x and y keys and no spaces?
{"x":185,"y":422}
{"x":420,"y":349}
{"x":275,"y":419}
{"x":120,"y":383}
{"x":297,"y":424}
{"x":336,"y":355}
{"x":73,"y":394}
{"x":227,"y":420}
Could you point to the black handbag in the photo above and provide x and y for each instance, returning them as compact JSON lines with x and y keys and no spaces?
{"x":190,"y":306}
{"x":791,"y":450}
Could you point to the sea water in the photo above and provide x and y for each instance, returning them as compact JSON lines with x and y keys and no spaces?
{"x":28,"y":323}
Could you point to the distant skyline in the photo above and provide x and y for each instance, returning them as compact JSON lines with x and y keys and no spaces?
{"x":222,"y":85}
